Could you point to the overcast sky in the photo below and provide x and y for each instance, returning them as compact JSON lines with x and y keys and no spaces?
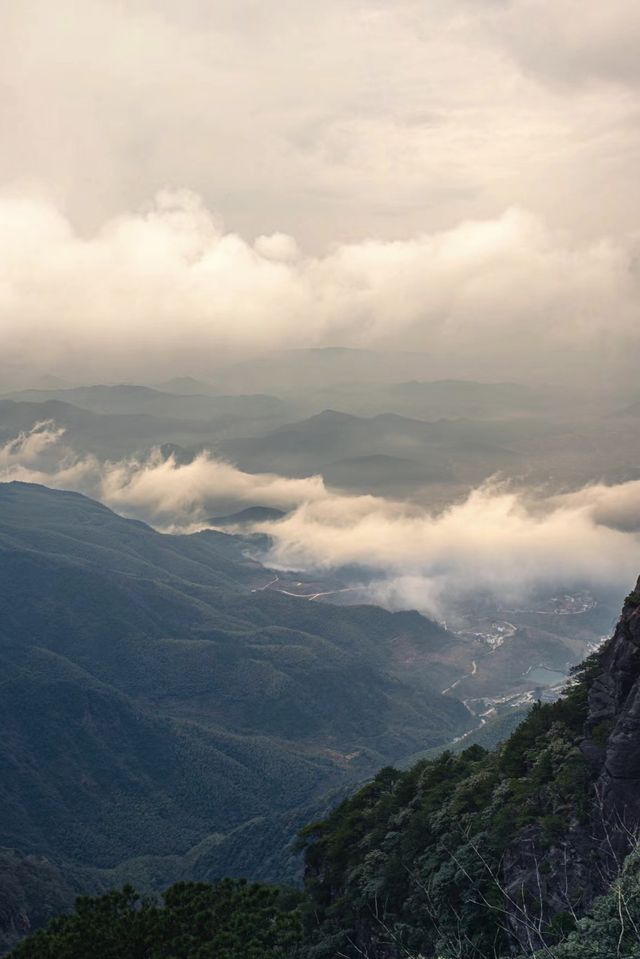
{"x":435,"y":175}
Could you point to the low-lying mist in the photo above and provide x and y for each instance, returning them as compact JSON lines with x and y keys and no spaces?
{"x":500,"y":539}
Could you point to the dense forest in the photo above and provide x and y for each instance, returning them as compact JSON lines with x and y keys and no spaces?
{"x":228,"y":920}
{"x":413,"y":861}
{"x":166,"y":719}
{"x":518,"y":851}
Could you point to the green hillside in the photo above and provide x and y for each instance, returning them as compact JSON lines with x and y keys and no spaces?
{"x":421,"y":863}
{"x":529,"y":850}
{"x":153,"y":703}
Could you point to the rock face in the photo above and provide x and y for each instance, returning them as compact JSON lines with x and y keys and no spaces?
{"x":581,"y":864}
{"x":612,"y":730}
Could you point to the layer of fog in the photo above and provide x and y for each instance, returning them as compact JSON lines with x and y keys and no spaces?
{"x":500,"y":540}
{"x":168,"y":291}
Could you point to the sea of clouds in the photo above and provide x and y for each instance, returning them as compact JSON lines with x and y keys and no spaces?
{"x":499,"y":539}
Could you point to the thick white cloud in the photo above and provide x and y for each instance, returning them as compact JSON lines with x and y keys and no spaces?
{"x":28,"y":447}
{"x":157,"y":488}
{"x":329,"y":121}
{"x":168,"y":290}
{"x":498,"y":540}
{"x":387,"y":137}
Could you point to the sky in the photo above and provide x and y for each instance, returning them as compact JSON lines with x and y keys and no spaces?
{"x":183,"y":181}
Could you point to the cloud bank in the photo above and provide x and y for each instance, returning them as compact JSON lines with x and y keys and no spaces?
{"x":168,"y":290}
{"x":461,"y":176}
{"x":499,"y":540}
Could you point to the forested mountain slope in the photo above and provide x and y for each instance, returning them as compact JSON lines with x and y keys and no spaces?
{"x":517,"y":851}
{"x":529,"y":851}
{"x":154,"y":706}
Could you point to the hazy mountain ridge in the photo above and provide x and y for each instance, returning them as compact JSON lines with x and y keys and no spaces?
{"x":431,"y":438}
{"x":131,"y":398}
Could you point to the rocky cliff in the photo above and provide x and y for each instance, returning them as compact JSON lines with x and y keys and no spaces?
{"x":587,"y":856}
{"x":612,"y":728}
{"x":491,"y":853}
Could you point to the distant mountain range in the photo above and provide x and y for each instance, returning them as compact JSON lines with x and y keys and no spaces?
{"x":142,"y":399}
{"x":118,"y":421}
{"x":310,"y":369}
{"x":387,"y":453}
{"x":410,"y":437}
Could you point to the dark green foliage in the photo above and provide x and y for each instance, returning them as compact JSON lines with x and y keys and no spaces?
{"x":410,"y":865}
{"x":161,"y":721}
{"x":415,"y":857}
{"x":228,"y":920}
{"x":633,"y":598}
{"x":610,"y":929}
